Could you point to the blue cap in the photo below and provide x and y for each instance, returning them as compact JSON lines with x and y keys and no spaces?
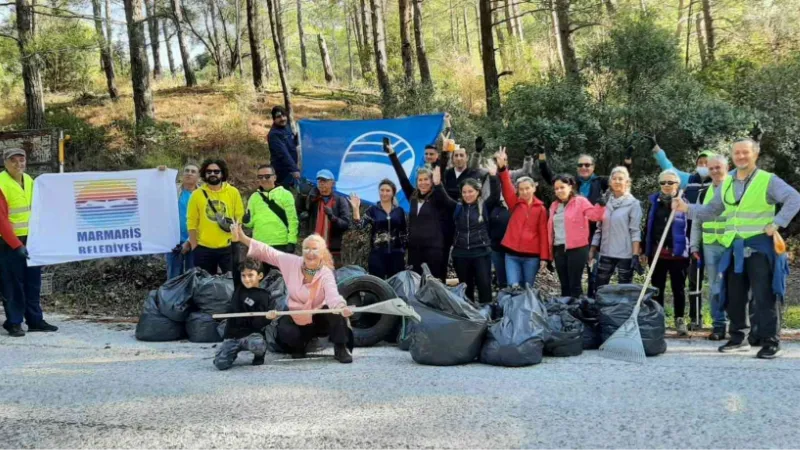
{"x":325,"y":174}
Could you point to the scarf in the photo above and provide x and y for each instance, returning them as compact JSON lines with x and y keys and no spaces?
{"x":618,"y":202}
{"x":585,"y":187}
{"x":323,"y":225}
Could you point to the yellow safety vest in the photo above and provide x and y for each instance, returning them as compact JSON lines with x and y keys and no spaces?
{"x":752,"y":214}
{"x":713,"y":230}
{"x":19,"y":201}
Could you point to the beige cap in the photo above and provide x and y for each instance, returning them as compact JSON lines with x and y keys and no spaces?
{"x":14,"y":151}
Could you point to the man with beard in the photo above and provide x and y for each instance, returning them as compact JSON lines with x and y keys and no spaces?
{"x":283,"y":148}
{"x":212,"y":209}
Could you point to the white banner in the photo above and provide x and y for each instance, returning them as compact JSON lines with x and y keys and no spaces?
{"x":90,"y":215}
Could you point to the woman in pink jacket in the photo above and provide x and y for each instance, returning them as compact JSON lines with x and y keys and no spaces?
{"x":568,"y":231}
{"x":311,"y":285}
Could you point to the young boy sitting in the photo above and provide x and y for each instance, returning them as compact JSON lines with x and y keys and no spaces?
{"x":245,"y":333}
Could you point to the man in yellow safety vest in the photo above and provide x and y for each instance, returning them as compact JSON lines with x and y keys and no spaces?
{"x":747,"y":201}
{"x":20,"y":284}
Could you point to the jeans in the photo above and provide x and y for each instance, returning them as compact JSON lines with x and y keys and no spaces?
{"x":711,"y":256}
{"x":606,"y":267}
{"x":499,"y":264}
{"x":210,"y":259}
{"x":521,"y":270}
{"x":676,"y":269}
{"x":21,"y":286}
{"x":766,"y":320}
{"x":178,"y":263}
{"x":475,"y":271}
{"x":569,"y":266}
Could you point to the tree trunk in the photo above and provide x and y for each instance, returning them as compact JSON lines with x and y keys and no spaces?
{"x":188,"y":72}
{"x":381,"y":60}
{"x":501,"y":39}
{"x":239,"y":37}
{"x":564,"y":34}
{"x":221,"y":69}
{"x":466,"y":32}
{"x":109,"y":31}
{"x":105,"y":50}
{"x":366,"y":32}
{"x":303,"y":58}
{"x":31,"y":76}
{"x":152,"y":24}
{"x":517,"y":20}
{"x":711,"y":37}
{"x":452,"y":23}
{"x":255,"y":44}
{"x":140,"y":68}
{"x":490,"y":80}
{"x":348,"y":28}
{"x":643,"y":5}
{"x":281,"y":32}
{"x":355,"y":29}
{"x":326,"y":59}
{"x":508,"y":15}
{"x":263,"y":26}
{"x":422,"y":55}
{"x":478,"y":27}
{"x":701,"y":45}
{"x":168,"y":43}
{"x":679,"y":28}
{"x":407,"y":54}
{"x":610,"y":8}
{"x":276,"y":44}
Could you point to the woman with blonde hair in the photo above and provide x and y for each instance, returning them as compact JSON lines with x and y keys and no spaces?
{"x":618,"y":238}
{"x":311,"y":285}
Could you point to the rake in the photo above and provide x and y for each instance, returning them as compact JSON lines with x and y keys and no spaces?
{"x":626,"y":343}
{"x":394,"y":307}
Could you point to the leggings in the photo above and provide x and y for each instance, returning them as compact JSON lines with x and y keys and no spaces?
{"x":569,"y":266}
{"x":434,"y":257}
{"x":475,"y":271}
{"x":676,"y":269}
{"x":607,"y":266}
{"x":294,"y":338}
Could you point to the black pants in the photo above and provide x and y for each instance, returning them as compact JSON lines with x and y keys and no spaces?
{"x":20,"y":286}
{"x":294,"y":338}
{"x":569,"y":266}
{"x":384,"y":265}
{"x":757,"y":277}
{"x":475,"y":272}
{"x":607,"y":266}
{"x":283,"y":248}
{"x":676,"y":269}
{"x":211,"y":259}
{"x":434,"y":257}
{"x":695,"y":300}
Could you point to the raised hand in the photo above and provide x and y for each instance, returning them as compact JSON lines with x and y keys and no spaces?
{"x":501,"y":157}
{"x":651,"y":138}
{"x":437,"y":176}
{"x":387,"y":147}
{"x":479,"y":144}
{"x":236,"y":231}
{"x":355,"y":201}
{"x":757,"y":132}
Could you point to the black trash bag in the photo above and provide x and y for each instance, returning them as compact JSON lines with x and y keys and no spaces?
{"x":452,"y":329}
{"x":213,"y":295}
{"x":486,"y":312}
{"x":517,"y":340}
{"x":175,"y":296}
{"x":154,"y":326}
{"x":405,"y":285}
{"x":586,"y":310}
{"x":526,"y":295}
{"x":201,"y":327}
{"x":616,"y":306}
{"x":566,"y":333}
{"x":346,"y":272}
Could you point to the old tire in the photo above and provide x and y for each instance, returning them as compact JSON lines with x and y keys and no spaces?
{"x":363,"y":290}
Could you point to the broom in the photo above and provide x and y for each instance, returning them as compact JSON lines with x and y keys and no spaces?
{"x":626,"y":343}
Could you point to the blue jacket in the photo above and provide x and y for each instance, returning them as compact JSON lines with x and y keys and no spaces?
{"x":679,"y":244}
{"x":734,"y":256}
{"x":388,"y":232}
{"x":282,"y":151}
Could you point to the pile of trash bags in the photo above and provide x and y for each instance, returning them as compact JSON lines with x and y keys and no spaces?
{"x":616,"y":303}
{"x":405,"y":285}
{"x":519,"y":338}
{"x":566,"y":330}
{"x":183,"y":306}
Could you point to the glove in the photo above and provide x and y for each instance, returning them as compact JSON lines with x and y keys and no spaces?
{"x":637,"y":265}
{"x":328,"y":211}
{"x":22,"y":252}
{"x":246,"y":218}
{"x":550,"y":266}
{"x":533,"y":148}
{"x":479,"y":144}
{"x":651,"y":139}
{"x":603,"y":200}
{"x":629,"y":152}
{"x":757,"y":132}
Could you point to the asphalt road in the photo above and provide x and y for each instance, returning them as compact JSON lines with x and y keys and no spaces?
{"x":93,"y":385}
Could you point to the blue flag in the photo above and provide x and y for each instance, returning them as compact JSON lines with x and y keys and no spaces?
{"x":353,"y":151}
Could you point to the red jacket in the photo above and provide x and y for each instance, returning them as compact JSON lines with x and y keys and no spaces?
{"x":527,"y":228}
{"x":577,"y":215}
{"x":6,"y":230}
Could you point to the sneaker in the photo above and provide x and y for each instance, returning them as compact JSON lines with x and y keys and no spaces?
{"x":14,"y":330}
{"x":731,"y":347}
{"x":43,"y":327}
{"x":342,"y":354}
{"x":717,"y":335}
{"x":754,"y":341}
{"x":680,"y":325}
{"x":258,"y":360}
{"x":769,"y":351}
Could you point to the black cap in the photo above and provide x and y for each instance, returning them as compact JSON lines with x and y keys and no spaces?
{"x":278,"y":111}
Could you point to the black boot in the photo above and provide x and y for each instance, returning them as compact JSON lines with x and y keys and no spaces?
{"x":43,"y":327}
{"x":342,"y":354}
{"x":258,"y":360}
{"x":770,"y":351}
{"x":14,"y":330}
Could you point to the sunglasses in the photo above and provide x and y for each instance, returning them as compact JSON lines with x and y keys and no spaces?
{"x":213,"y":172}
{"x":265,"y":177}
{"x":668,"y":183}
{"x":587,"y":165}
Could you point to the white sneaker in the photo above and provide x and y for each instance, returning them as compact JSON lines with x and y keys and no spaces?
{"x":680,"y":325}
